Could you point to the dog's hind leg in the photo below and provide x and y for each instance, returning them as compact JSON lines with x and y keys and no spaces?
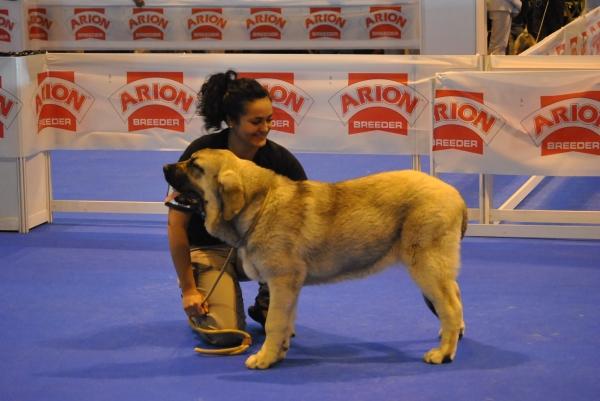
{"x":430,"y":305}
{"x":280,"y":321}
{"x":434,"y":268}
{"x":432,"y":309}
{"x":449,"y":309}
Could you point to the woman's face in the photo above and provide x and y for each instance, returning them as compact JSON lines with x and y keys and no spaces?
{"x":254,"y":126}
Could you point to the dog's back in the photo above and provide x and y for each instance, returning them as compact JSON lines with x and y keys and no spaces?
{"x":354,"y":228}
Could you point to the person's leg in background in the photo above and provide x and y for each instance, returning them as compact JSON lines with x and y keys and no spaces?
{"x":518,"y":25}
{"x":258,"y":311}
{"x":500,"y":31}
{"x":555,"y":16}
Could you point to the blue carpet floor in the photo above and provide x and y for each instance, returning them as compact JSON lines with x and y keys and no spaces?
{"x":90,"y":310}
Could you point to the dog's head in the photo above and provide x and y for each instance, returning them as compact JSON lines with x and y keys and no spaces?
{"x":523,"y":42}
{"x":210,"y":176}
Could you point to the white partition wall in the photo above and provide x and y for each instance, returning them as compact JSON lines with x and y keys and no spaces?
{"x":24,"y":184}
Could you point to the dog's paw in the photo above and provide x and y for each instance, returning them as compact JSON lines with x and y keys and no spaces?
{"x":257,"y":362}
{"x":263,"y":360}
{"x":436,"y":357}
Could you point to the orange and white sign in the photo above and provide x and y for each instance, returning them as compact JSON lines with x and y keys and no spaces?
{"x":206,"y":23}
{"x":89,"y":23}
{"x":266,"y":23}
{"x":9,"y":109}
{"x":378,"y":102}
{"x":59,"y":102}
{"x":8,"y":26}
{"x":155,"y":100}
{"x":40,"y":24}
{"x":325,"y":23}
{"x":290,"y":103}
{"x":148,"y":23}
{"x":518,"y":123}
{"x":566,"y":123}
{"x":162,"y":26}
{"x":101,"y":101}
{"x":463,"y":122}
{"x":385,"y":22}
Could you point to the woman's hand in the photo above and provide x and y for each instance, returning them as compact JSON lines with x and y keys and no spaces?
{"x":193,"y":304}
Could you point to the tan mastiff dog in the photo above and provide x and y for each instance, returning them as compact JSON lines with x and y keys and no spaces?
{"x":295,"y":233}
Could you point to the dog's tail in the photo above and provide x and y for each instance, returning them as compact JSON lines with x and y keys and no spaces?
{"x":465,"y":221}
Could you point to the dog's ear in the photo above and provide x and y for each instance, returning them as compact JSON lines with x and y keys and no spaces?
{"x":232,"y":193}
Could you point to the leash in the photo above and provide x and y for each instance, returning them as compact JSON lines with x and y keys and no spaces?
{"x":247,"y":341}
{"x":542,"y":23}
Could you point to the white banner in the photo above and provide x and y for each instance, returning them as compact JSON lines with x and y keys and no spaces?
{"x":202,"y":26}
{"x":10,"y":108}
{"x":322,"y":103}
{"x":11,"y":26}
{"x":521,"y":123}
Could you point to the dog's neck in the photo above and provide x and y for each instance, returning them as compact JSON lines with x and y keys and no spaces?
{"x":255,"y":220}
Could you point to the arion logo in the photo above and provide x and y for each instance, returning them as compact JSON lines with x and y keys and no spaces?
{"x":566,"y":123}
{"x":155,"y":100}
{"x":378,"y":102}
{"x":39,"y":23}
{"x":89,"y":23}
{"x":8,"y":26}
{"x":595,"y":42}
{"x":385,"y":22}
{"x":148,"y":23}
{"x":59,"y":102}
{"x":265,"y":23}
{"x":461,"y":121}
{"x":9,"y":109}
{"x":573,"y":42}
{"x":325,"y":23}
{"x":206,"y":23}
{"x":290,"y":103}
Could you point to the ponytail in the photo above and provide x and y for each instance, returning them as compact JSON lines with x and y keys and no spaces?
{"x":224,"y":95}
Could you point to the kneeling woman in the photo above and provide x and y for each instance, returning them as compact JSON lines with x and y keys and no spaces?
{"x":245,"y":107}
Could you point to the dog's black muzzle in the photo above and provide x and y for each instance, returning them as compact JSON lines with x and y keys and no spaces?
{"x":176,"y":176}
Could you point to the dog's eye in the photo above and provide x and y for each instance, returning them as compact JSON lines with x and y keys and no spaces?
{"x":198,"y":168}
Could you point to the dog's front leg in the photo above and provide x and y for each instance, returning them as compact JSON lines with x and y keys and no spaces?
{"x":280,"y":321}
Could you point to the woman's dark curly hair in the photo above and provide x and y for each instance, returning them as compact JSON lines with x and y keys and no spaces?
{"x":224,"y":95}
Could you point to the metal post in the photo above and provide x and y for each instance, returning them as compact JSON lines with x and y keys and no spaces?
{"x":22,"y":189}
{"x":49,"y":184}
{"x":486,"y":196}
